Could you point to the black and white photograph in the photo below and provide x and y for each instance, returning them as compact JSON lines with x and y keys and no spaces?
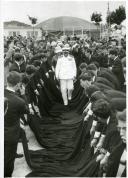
{"x":64,"y":88}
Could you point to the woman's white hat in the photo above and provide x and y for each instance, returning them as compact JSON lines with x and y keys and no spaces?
{"x":58,"y":49}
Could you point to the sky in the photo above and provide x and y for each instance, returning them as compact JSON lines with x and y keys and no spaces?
{"x":43,"y":10}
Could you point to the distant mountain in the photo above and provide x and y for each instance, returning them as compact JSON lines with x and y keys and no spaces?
{"x":16,"y":24}
{"x":65,"y":22}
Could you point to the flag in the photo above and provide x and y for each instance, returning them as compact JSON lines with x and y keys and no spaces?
{"x":32,"y":19}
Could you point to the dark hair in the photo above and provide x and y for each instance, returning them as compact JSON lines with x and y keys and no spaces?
{"x":13,"y":78}
{"x":113,"y":52}
{"x":18,"y":57}
{"x":97,"y":95}
{"x":92,"y":89}
{"x":118,"y":104}
{"x":24,"y":79}
{"x":37,"y":63}
{"x":101,"y":108}
{"x":89,"y":51}
{"x":91,"y":73}
{"x":96,"y":64}
{"x":91,"y":67}
{"x":121,"y":116}
{"x":17,"y":50}
{"x":86,"y":76}
{"x":83,"y":65}
{"x":30,"y":69}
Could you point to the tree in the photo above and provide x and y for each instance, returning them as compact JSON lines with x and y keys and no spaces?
{"x":96,"y":17}
{"x":116,"y":16}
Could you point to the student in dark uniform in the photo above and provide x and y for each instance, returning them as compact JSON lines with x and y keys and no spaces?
{"x":117,"y":67}
{"x":16,"y":108}
{"x":116,"y":160}
{"x":99,"y":79}
{"x":86,"y":80}
{"x":18,"y":60}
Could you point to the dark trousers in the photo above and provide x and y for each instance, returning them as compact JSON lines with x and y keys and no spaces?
{"x":9,"y":158}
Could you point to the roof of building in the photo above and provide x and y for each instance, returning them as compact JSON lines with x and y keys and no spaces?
{"x":66,"y":22}
{"x":16,"y":25}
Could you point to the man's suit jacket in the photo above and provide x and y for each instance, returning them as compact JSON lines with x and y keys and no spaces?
{"x":23,"y":67}
{"x":114,"y":160}
{"x":16,"y":108}
{"x":15,"y":67}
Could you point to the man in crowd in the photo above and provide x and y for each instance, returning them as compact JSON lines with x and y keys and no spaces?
{"x":66,"y":73}
{"x":18,"y":60}
{"x":117,"y":67}
{"x":16,"y":108}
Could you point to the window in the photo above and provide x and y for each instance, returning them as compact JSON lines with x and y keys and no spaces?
{"x":10,"y":33}
{"x":14,"y":33}
{"x":30,"y":33}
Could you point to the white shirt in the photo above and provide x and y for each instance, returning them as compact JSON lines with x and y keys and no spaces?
{"x":115,"y":58}
{"x":10,"y":89}
{"x":17,"y":64}
{"x":66,"y":68}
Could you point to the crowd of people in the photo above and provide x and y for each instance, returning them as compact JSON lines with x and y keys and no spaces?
{"x":72,"y":94}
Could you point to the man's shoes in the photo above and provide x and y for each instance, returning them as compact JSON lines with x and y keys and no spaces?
{"x":67,"y":108}
{"x":69,"y":98}
{"x":19,"y":155}
{"x":65,"y":103}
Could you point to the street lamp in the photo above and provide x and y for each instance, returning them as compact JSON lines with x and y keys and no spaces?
{"x":33,"y":22}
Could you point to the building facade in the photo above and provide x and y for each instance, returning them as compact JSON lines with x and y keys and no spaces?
{"x":14,"y":28}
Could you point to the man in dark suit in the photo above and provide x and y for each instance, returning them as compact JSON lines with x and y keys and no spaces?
{"x":16,"y":108}
{"x":115,"y":161}
{"x":117,"y":67}
{"x":18,"y":60}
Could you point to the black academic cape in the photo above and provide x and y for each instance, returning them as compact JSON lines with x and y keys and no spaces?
{"x":110,"y":77}
{"x":105,"y":81}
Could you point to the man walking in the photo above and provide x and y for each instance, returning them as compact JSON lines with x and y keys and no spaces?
{"x":66,"y":72}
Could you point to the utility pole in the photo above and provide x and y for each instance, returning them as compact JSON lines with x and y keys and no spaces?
{"x":33,"y":22}
{"x":73,"y":31}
